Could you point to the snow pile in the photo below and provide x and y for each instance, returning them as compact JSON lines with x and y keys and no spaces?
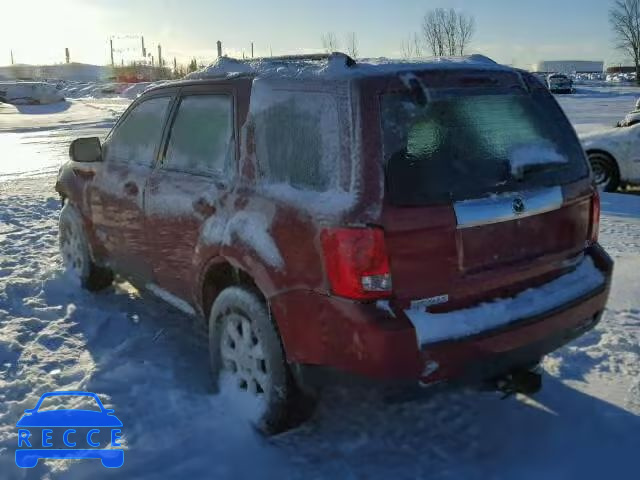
{"x":435,"y":327}
{"x":541,"y":153}
{"x":29,"y":93}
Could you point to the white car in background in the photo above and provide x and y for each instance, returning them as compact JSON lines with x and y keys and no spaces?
{"x":614,"y":154}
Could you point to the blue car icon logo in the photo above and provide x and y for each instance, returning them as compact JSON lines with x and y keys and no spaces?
{"x":69,"y":433}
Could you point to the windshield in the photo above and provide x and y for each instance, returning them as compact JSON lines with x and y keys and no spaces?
{"x":463,"y":146}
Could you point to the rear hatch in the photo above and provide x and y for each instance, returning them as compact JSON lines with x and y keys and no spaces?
{"x":487,"y":188}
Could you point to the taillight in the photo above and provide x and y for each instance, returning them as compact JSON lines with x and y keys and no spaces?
{"x":356,"y":262}
{"x":595,"y":218}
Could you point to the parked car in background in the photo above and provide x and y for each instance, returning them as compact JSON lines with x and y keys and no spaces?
{"x":309,"y":211}
{"x":614,"y":154}
{"x":29,"y":93}
{"x":559,"y":83}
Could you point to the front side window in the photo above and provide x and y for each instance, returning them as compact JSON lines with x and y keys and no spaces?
{"x":201,"y":138}
{"x":135,"y":139}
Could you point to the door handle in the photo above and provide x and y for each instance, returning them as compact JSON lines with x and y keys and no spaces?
{"x":203,"y":207}
{"x":130,"y":188}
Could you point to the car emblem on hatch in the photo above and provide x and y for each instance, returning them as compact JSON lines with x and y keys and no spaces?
{"x":518,"y":206}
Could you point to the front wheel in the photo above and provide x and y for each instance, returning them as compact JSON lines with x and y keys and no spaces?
{"x":248,"y":362}
{"x":74,"y":250}
{"x":605,"y":171}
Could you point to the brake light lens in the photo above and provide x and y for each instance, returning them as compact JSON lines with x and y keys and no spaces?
{"x":356,"y":262}
{"x":595,"y":218}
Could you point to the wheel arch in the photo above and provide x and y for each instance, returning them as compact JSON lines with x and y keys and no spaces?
{"x":607,"y":153}
{"x":220,"y":273}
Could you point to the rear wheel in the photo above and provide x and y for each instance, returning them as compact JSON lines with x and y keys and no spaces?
{"x":74,"y":250}
{"x":605,"y":171}
{"x":248,"y":363}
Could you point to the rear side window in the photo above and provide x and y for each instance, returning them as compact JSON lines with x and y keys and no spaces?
{"x":135,"y":139}
{"x":201,"y":137}
{"x":298,"y":140}
{"x":461,"y":146}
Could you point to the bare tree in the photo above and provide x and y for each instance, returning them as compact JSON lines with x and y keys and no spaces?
{"x":352,"y":45}
{"x":624,"y":18}
{"x":466,"y":29}
{"x":330,"y":42}
{"x":412,"y":47}
{"x":432,"y":31}
{"x":447,"y":32}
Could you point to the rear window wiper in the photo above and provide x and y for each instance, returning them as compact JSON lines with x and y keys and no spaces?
{"x":537,"y":168}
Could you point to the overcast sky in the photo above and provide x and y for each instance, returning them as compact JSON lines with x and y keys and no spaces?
{"x":509,"y":31}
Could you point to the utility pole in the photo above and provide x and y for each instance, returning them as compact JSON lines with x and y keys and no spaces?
{"x":219,"y":48}
{"x":144,"y":50}
{"x":175,"y":64}
{"x":160,"y":55}
{"x":11,"y":57}
{"x":111,"y":47}
{"x":66,"y":55}
{"x":251,"y":49}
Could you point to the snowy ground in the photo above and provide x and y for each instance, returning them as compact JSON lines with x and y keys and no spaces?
{"x":594,"y":107}
{"x":149,"y":363}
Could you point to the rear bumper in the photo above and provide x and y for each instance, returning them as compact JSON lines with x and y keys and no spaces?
{"x":362,"y":340}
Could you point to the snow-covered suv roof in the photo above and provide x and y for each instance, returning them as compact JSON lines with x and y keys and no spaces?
{"x":335,"y":65}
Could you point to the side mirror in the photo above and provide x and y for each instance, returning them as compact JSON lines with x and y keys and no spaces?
{"x":86,"y":150}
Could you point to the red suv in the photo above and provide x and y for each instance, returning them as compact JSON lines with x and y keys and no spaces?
{"x":404,"y":222}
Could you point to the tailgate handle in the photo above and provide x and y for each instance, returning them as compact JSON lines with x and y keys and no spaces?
{"x":130,"y":188}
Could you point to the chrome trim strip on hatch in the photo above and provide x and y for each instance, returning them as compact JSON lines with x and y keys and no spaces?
{"x":507,"y":207}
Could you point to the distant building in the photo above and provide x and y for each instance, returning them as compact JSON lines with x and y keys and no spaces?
{"x":568,"y":66}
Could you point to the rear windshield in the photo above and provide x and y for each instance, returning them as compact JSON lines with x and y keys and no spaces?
{"x":460,"y":145}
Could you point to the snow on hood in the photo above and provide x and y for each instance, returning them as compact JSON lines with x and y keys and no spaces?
{"x":337,"y":66}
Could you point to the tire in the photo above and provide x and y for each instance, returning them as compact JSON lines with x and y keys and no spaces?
{"x":75,"y":253}
{"x":605,"y":171}
{"x":256,"y":380}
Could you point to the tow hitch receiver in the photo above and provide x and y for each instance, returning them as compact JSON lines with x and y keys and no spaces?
{"x":522,"y":381}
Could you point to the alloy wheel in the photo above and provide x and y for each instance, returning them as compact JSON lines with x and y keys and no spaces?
{"x":243,"y":357}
